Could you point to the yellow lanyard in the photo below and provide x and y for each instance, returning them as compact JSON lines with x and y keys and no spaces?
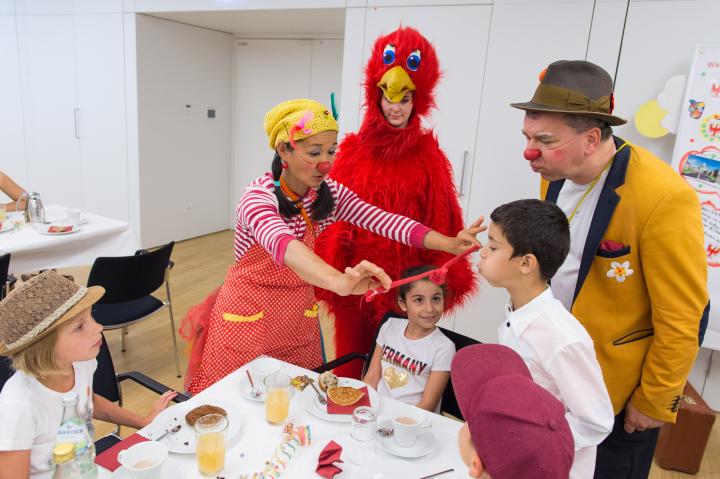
{"x":291,"y":194}
{"x":594,"y":182}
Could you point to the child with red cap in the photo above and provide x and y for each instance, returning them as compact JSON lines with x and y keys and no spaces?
{"x":515,"y":428}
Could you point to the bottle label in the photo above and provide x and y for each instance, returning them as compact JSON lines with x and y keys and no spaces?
{"x":74,"y":431}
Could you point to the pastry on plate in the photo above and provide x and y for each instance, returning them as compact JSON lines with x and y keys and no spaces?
{"x":344,"y":395}
{"x":194,"y":414}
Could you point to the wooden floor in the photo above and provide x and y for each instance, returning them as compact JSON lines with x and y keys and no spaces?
{"x":200,"y":266}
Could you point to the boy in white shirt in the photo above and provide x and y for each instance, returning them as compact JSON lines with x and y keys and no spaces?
{"x":528,"y":240}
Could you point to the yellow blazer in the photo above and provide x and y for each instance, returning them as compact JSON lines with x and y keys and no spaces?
{"x":645,"y":327}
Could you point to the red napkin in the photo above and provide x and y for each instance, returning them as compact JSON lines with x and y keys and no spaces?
{"x":108,"y":458}
{"x":610,"y":246}
{"x":329,"y":455}
{"x":333,"y":408}
{"x":59,"y":229}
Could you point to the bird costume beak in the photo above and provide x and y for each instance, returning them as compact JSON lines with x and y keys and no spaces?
{"x":394,"y":83}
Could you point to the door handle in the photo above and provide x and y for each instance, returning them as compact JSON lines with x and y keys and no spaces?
{"x":76,"y":114}
{"x":466,"y":155}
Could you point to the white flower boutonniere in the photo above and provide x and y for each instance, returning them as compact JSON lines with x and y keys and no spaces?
{"x":619,"y":271}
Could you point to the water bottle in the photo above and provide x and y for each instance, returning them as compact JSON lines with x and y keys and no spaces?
{"x":64,"y":460}
{"x":74,"y":430}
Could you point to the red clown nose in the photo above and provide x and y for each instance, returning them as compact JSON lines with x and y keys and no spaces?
{"x":324,"y":167}
{"x":531,"y":154}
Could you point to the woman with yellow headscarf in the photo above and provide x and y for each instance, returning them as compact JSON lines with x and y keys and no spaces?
{"x":267,"y":305}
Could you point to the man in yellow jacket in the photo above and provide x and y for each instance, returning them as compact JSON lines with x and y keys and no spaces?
{"x":636,"y":275}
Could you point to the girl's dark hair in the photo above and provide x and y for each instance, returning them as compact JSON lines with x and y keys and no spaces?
{"x":321,"y":207}
{"x":404,"y":289}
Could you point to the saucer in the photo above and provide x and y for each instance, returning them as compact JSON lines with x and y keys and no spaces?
{"x":424,"y":444}
{"x":169,"y":470}
{"x":245,"y":389}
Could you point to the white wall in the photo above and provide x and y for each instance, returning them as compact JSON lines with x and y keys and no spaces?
{"x":184,"y":159}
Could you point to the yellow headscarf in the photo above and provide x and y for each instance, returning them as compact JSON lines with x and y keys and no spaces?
{"x":302,"y":116}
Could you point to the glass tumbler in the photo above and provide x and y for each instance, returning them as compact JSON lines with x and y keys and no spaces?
{"x":210,"y":436}
{"x":277,"y":397}
{"x":363,"y":434}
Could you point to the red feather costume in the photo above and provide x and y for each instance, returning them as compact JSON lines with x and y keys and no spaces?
{"x":401,"y":170}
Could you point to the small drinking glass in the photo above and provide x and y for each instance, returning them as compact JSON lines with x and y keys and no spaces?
{"x":210,"y":436}
{"x":3,"y":216}
{"x":363,"y":432}
{"x":277,"y":397}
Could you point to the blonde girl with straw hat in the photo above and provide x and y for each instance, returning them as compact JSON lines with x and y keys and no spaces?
{"x":267,"y":304}
{"x":50,"y":336}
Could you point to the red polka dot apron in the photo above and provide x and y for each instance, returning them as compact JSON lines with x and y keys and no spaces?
{"x":263,"y":308}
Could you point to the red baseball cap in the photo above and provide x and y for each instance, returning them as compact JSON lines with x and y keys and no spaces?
{"x":518,"y":428}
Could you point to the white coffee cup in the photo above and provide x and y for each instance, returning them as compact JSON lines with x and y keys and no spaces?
{"x":74,"y":215}
{"x":262,"y":367}
{"x":407,"y":421}
{"x":144,"y":460}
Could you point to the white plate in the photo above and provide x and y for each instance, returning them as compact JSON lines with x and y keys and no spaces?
{"x":43,"y":229}
{"x":245,"y":389}
{"x":312,"y":404}
{"x":168,"y":471}
{"x":177,"y":442}
{"x":423,"y":445}
{"x":6,"y":225}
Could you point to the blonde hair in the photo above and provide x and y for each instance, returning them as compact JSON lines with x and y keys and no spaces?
{"x":38,"y":359}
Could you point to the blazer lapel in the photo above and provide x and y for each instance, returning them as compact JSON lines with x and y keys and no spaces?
{"x":553,"y":190}
{"x":603,"y":211}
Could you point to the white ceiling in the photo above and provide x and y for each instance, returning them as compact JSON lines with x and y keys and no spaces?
{"x":327,"y":21}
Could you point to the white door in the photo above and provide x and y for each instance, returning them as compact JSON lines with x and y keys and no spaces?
{"x":48,"y":76}
{"x":267,"y":72}
{"x":12,"y":140}
{"x":516,"y":56}
{"x":459,"y":34}
{"x":101,"y":116}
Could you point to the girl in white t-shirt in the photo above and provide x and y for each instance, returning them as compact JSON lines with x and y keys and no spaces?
{"x":411,"y":361}
{"x":52,"y":339}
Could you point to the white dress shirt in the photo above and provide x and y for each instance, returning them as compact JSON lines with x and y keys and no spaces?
{"x":561,"y":358}
{"x":571,"y":196}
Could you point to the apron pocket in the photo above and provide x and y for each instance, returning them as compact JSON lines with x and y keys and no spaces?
{"x":236,"y":318}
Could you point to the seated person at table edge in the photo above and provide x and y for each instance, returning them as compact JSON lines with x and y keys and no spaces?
{"x":13,"y":190}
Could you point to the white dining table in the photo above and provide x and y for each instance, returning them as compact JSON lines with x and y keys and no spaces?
{"x":256,"y":440}
{"x":31,"y":250}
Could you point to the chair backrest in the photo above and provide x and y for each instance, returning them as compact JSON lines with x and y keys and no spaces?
{"x":4,"y":267}
{"x":126,"y":278}
{"x":6,"y":370}
{"x":449,"y":403}
{"x":105,"y":380}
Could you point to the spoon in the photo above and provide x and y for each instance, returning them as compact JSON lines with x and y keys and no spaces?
{"x":385,"y":431}
{"x":172,"y":430}
{"x":254,"y":391}
{"x":320,"y":396}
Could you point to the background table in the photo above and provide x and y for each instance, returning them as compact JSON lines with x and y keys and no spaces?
{"x":257,"y":440}
{"x":100,"y":236}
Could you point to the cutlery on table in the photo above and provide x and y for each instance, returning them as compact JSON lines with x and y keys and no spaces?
{"x":437,"y":473}
{"x":254,"y":391}
{"x":321,"y":398}
{"x":171,"y":430}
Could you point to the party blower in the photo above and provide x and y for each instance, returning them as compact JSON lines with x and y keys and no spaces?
{"x":437,"y":276}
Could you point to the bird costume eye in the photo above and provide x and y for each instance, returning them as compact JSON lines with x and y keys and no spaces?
{"x":389,"y":54}
{"x":413,"y":60}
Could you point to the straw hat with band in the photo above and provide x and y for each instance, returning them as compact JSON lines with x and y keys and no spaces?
{"x":39,"y":306}
{"x":575,"y":87}
{"x":294,"y":120}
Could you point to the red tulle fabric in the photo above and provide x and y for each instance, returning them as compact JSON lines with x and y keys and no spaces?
{"x":193,"y":329}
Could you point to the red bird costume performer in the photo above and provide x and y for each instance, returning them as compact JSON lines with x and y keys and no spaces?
{"x":402,"y":170}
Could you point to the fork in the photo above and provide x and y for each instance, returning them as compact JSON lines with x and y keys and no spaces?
{"x":321,"y":398}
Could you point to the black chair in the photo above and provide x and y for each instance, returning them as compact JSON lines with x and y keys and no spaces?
{"x":4,"y":267}
{"x":448,"y":404}
{"x":129,"y":282}
{"x":106,"y":383}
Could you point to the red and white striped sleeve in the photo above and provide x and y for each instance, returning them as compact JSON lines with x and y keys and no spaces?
{"x":399,"y":228}
{"x":258,"y":212}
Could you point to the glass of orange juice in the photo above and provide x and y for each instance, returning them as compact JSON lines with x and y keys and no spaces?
{"x":210,"y":435}
{"x":2,"y":213}
{"x":277,"y":397}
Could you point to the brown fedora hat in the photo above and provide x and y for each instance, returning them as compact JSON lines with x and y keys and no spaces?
{"x":40,"y":305}
{"x":574,"y":87}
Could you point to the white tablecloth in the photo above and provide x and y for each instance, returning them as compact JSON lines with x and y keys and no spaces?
{"x":257,"y":440}
{"x":100,"y":236}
